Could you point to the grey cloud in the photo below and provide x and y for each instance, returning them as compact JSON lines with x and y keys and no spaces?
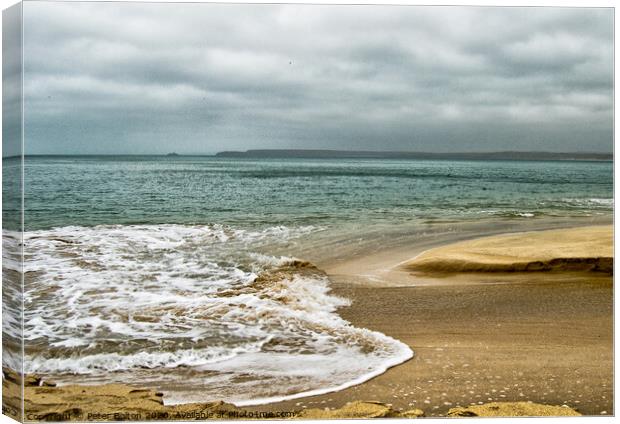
{"x":11,"y":81}
{"x":196,"y":78}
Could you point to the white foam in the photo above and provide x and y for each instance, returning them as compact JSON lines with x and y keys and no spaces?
{"x":590,"y":202}
{"x":606,"y":202}
{"x":96,"y":363}
{"x":359,"y":368}
{"x":110,"y":303}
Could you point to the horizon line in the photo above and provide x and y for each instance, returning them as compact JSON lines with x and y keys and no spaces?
{"x":173,"y":154}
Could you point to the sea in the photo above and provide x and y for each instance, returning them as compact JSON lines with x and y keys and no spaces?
{"x":203,"y":276}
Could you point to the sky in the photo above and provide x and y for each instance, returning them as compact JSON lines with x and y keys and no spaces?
{"x":135,"y":78}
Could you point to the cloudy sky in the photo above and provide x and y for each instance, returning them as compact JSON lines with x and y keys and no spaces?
{"x":199,"y":78}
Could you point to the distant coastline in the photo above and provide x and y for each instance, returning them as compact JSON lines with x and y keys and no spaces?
{"x":358,"y":154}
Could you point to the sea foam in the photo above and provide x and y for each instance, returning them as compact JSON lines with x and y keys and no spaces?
{"x":203,"y":312}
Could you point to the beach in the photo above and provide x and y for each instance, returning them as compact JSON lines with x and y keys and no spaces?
{"x":543,"y":342}
{"x":545,"y":337}
{"x":538,"y":335}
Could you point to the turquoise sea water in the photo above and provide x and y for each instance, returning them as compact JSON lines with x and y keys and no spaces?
{"x":89,"y":191}
{"x":183,"y":273}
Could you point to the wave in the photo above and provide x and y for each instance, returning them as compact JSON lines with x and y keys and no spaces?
{"x":590,"y":202}
{"x":182,"y":307}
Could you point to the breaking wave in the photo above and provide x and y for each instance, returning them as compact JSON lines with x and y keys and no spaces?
{"x":135,"y":302}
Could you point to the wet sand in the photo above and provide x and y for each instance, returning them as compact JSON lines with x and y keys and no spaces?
{"x":545,"y":337}
{"x":546,"y":342}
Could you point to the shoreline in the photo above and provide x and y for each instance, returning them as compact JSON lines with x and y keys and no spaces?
{"x":432,"y":319}
{"x":451,"y":317}
{"x":380,"y":268}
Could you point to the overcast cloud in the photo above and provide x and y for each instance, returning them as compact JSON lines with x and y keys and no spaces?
{"x":200,"y":78}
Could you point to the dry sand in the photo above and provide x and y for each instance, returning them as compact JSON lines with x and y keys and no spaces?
{"x":575,"y":249}
{"x":543,"y":337}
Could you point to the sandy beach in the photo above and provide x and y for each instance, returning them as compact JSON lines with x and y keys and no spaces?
{"x":571,"y":250}
{"x":529,"y":335}
{"x":539,"y":336}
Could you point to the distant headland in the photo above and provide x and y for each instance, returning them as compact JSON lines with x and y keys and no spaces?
{"x":360,"y":154}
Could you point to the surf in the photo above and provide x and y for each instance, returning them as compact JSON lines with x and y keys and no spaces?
{"x":204,"y":312}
